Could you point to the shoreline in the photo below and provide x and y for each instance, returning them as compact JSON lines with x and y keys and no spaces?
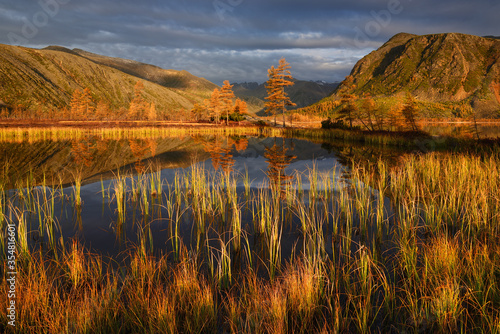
{"x":29,"y":123}
{"x":111,"y":124}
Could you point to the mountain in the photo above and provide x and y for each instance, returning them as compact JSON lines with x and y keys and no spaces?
{"x":46,"y":78}
{"x":180,"y":80}
{"x":303,"y":93}
{"x":446,"y":69}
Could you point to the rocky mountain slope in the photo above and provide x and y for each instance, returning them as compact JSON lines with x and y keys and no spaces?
{"x":46,"y":78}
{"x":442,"y":68}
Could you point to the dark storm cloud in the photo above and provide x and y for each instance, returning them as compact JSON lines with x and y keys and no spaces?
{"x":238,"y":39}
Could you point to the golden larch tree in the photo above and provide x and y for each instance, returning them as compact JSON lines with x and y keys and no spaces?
{"x":272,"y":104}
{"x":240,"y":109}
{"x":82,"y":104}
{"x":76,"y":99}
{"x":226,"y":98}
{"x":199,"y":111}
{"x":152,"y":115}
{"x":348,"y":100}
{"x":102,"y":110}
{"x":138,"y":105}
{"x":214,"y":105}
{"x":410,"y":110}
{"x":86,"y":109}
{"x":368,"y":112}
{"x":395,"y":116}
{"x":277,"y":98}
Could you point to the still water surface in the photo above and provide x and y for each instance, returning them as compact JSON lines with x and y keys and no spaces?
{"x":256,"y":164}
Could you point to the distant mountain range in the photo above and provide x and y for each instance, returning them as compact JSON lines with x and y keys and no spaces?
{"x":442,"y":70}
{"x":303,"y":93}
{"x":42,"y":79}
{"x":446,"y":68}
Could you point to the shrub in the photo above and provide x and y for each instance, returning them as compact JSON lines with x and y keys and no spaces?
{"x":333,"y":124}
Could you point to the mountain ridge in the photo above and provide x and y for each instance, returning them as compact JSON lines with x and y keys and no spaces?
{"x":443,"y":68}
{"x":46,"y":78}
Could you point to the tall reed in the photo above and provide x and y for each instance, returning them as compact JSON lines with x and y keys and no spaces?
{"x":426,"y":262}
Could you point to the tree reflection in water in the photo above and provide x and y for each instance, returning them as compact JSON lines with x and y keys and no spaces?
{"x":278,"y":160}
{"x":220,"y":150}
{"x":142,"y":148}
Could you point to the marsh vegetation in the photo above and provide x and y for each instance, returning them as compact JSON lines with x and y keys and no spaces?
{"x":350,"y":238}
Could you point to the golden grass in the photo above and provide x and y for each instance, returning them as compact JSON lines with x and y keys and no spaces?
{"x":31,"y":135}
{"x":430,"y":262}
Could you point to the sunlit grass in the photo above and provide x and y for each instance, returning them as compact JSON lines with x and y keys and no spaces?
{"x":428,"y":262}
{"x":31,"y":134}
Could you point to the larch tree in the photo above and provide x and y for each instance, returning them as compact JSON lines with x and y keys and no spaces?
{"x":82,"y":104}
{"x":368,"y":112}
{"x":395,"y":116}
{"x":277,"y":98}
{"x":214,"y":105}
{"x":226,"y":98}
{"x":102,"y":110}
{"x":348,"y":100}
{"x":272,"y":104}
{"x":410,"y":110}
{"x":76,"y":99}
{"x":285,"y":79}
{"x":152,"y":115}
{"x":197,"y":112}
{"x":86,"y":108}
{"x":240,"y":107}
{"x":138,"y":105}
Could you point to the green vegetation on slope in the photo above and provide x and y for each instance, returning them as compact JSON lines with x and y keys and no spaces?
{"x":442,"y":71}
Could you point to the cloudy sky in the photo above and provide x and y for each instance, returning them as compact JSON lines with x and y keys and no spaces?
{"x":239,"y":39}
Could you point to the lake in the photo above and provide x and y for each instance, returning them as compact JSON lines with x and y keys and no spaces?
{"x":347,"y":228}
{"x":481,"y":129}
{"x":48,"y":169}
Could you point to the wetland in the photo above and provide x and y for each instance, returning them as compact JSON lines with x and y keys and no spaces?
{"x":249,"y":230}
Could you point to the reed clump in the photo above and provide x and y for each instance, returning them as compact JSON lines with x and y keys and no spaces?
{"x":411,"y":246}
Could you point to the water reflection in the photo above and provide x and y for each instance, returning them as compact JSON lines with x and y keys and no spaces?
{"x":91,"y":158}
{"x":82,"y":152}
{"x":220,"y":149}
{"x":141,"y":149}
{"x":222,"y":211}
{"x":130,"y":193}
{"x":278,"y":161}
{"x":464,"y":129}
{"x":103,"y":188}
